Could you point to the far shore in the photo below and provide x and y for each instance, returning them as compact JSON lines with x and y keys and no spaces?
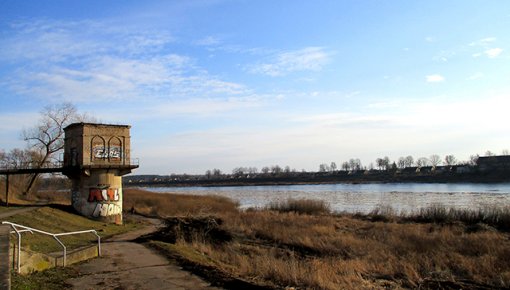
{"x":315,"y":178}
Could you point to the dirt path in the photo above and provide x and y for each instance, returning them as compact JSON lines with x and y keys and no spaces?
{"x":128,"y":265}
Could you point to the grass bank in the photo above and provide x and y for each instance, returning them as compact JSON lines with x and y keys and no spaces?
{"x":293,"y":245}
{"x":55,"y":220}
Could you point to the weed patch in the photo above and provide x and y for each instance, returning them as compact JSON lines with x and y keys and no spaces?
{"x":301,"y":206}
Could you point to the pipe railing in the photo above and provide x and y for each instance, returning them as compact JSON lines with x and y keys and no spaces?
{"x":19,"y":229}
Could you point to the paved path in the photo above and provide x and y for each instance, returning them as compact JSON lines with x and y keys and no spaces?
{"x":128,"y":265}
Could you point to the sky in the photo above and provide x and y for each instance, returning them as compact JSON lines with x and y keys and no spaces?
{"x":224,"y":83}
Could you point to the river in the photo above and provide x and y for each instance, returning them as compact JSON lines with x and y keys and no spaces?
{"x":402,"y":197}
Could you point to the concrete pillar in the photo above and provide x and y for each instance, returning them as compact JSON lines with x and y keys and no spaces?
{"x":99,"y":195}
{"x":5,"y":276}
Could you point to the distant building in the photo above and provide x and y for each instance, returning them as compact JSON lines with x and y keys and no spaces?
{"x":490,"y":163}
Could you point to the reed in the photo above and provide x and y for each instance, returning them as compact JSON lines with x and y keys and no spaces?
{"x":301,"y":206}
{"x":169,"y":204}
{"x":284,"y":245}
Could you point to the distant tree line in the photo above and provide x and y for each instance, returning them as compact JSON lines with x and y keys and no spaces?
{"x":352,"y":166}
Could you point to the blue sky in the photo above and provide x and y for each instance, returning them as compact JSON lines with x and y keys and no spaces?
{"x":223,"y":84}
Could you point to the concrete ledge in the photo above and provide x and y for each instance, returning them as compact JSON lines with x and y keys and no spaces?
{"x":34,"y":262}
{"x":78,"y":255}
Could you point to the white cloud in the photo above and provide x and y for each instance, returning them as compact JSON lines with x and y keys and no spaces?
{"x":208,"y":41}
{"x":86,"y":61}
{"x":306,"y":59}
{"x":430,"y":39}
{"x":435,"y":78}
{"x":476,"y":76}
{"x":493,"y":52}
{"x":59,"y":41}
{"x":483,"y":42}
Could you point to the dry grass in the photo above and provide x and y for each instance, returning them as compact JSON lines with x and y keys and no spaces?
{"x":167,"y":204}
{"x":301,"y":206}
{"x":16,"y":186}
{"x":348,"y":252}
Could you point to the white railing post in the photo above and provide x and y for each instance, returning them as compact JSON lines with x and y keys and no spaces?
{"x":64,"y":251}
{"x":55,"y":236}
{"x":19,"y":249}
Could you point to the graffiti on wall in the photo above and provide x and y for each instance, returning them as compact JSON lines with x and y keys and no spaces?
{"x":105,"y":200}
{"x":106,"y":209}
{"x":109,"y":194}
{"x":102,"y":152}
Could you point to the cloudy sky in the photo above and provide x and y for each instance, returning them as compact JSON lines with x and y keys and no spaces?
{"x":222,"y":84}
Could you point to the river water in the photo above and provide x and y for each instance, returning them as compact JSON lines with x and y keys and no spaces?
{"x":402,"y":197}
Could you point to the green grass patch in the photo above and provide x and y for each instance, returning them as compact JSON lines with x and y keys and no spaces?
{"x":7,"y":209}
{"x":55,"y":221}
{"x":45,"y":280}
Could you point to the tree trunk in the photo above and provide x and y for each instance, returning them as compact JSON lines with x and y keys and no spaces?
{"x":34,"y":176}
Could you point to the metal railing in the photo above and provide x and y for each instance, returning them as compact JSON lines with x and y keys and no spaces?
{"x":30,"y":165}
{"x":19,"y":229}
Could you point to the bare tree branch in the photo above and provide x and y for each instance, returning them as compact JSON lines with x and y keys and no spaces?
{"x":48,"y":137}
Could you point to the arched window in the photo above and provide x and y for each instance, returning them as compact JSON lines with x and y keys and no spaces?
{"x":98,"y":148}
{"x":115,"y":149}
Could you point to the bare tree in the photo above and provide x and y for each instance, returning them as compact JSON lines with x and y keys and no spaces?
{"x":473,"y":160}
{"x":434,"y":160}
{"x":276,"y":169}
{"x":409,"y":161}
{"x":379,"y":162}
{"x":323,"y":167}
{"x":401,"y":163}
{"x":3,"y":159}
{"x":333,"y":166}
{"x":422,"y":161}
{"x":216,"y":172}
{"x":505,"y":152}
{"x":47,"y":138}
{"x":346,"y":166}
{"x":355,"y":164}
{"x":450,"y":160}
{"x":489,"y":153}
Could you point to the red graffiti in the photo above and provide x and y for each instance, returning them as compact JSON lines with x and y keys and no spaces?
{"x":111,"y":194}
{"x":96,"y":194}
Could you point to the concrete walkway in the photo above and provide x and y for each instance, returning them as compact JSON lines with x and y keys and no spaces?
{"x":128,"y":265}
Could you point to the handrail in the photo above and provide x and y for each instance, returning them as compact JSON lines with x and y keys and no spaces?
{"x":19,"y":229}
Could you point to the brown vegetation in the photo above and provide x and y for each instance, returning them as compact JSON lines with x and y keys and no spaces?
{"x":162,"y":205}
{"x":301,"y":206}
{"x":325,"y":251}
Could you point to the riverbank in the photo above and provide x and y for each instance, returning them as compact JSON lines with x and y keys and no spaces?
{"x":280,"y":248}
{"x":304,"y":245}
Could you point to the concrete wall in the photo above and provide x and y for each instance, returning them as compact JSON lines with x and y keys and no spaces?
{"x":34,"y":262}
{"x":96,"y":144}
{"x":99,"y":195}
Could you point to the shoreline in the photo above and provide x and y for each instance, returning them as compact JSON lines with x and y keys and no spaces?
{"x":500,"y":177}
